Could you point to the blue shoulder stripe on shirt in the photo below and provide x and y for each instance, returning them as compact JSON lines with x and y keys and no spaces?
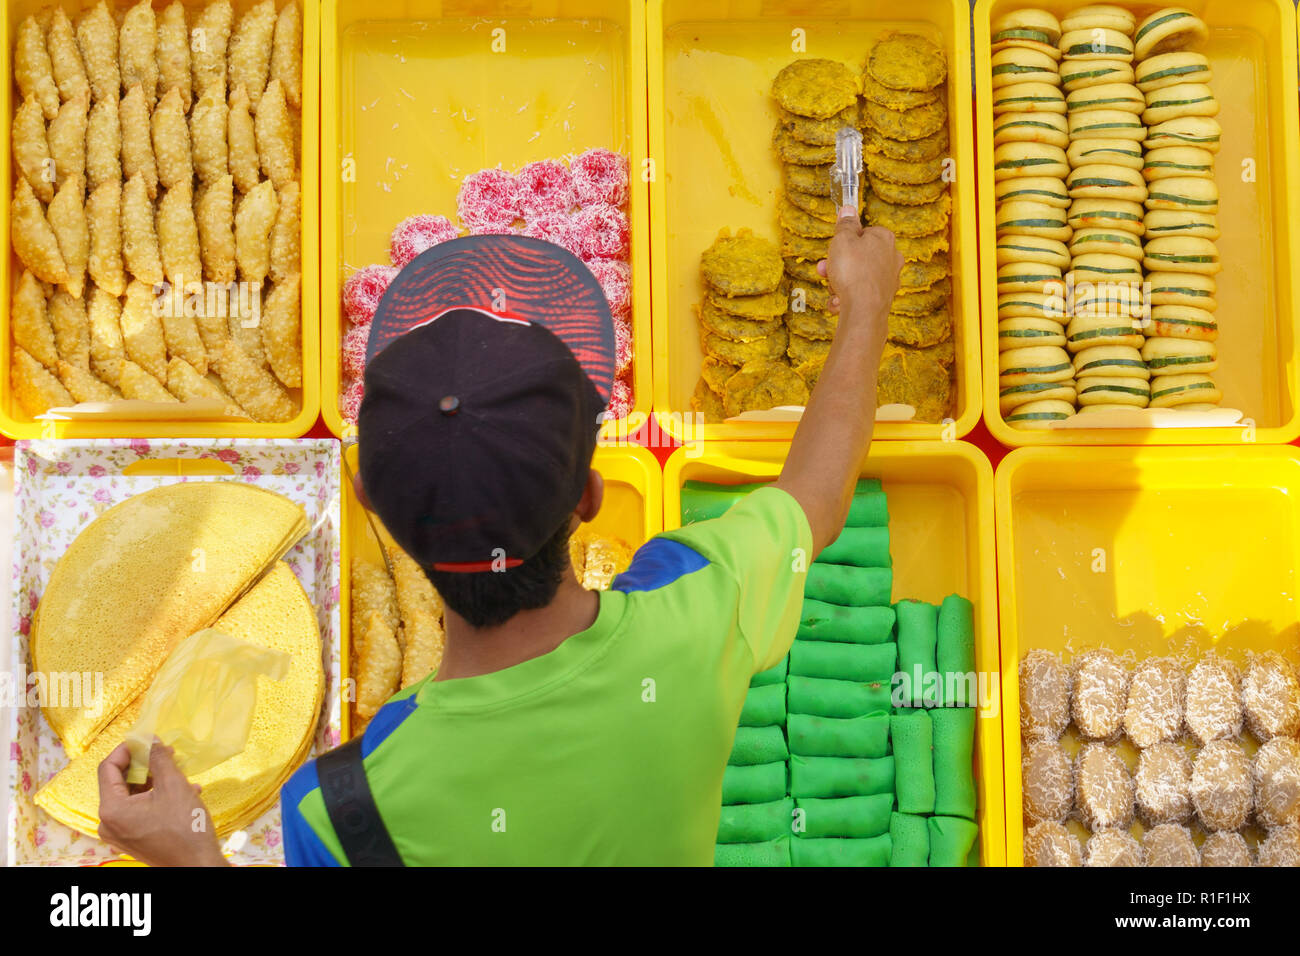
{"x":302,"y":845}
{"x":658,"y":563}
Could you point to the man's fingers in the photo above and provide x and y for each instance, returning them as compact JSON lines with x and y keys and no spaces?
{"x":162,"y":766}
{"x":847,"y":224}
{"x":821,"y":267}
{"x":112,"y":773}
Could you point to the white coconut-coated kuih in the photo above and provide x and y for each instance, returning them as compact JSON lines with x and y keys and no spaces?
{"x":1214,"y":700}
{"x":1270,"y":697}
{"x":1100,"y":694}
{"x":1222,"y":786}
{"x":1113,"y":848}
{"x":1044,"y":695}
{"x":1155,"y":701}
{"x":1051,"y":844}
{"x":1103,"y":788}
{"x":1162,"y":784}
{"x":1277,"y":782}
{"x":1225,"y":848}
{"x":1048,"y":782}
{"x":1170,"y":845}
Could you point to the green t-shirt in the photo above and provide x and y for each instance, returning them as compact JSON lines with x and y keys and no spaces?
{"x":610,"y":749}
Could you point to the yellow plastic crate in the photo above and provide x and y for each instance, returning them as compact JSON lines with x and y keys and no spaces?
{"x":417,"y":99}
{"x":1252,"y":50}
{"x":1154,"y":550}
{"x":711,"y":64}
{"x":16,"y":423}
{"x":941,"y":542}
{"x":632,"y":511}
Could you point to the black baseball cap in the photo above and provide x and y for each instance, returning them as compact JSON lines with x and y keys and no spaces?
{"x":490,"y":363}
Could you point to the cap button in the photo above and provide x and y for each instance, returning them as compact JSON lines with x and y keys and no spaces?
{"x":449,"y":405}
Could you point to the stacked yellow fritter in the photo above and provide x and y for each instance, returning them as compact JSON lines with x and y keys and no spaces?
{"x":743,"y":330}
{"x":905,"y":140}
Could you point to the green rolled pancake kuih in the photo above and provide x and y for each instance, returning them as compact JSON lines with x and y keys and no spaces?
{"x":761,"y":783}
{"x":872,"y":852}
{"x":868,"y":509}
{"x":773,"y":675}
{"x":756,"y":822}
{"x":848,"y":586}
{"x":951,"y":839}
{"x":764,"y":707}
{"x":702,"y":501}
{"x":755,"y":745}
{"x":912,"y":736}
{"x":955,"y":652}
{"x":918,"y":635}
{"x":772,"y":853}
{"x":820,"y":621}
{"x":954,"y":773}
{"x":856,"y":817}
{"x":911,"y":838}
{"x":866,"y":663}
{"x":838,"y":736}
{"x":837,"y":698}
{"x":840,"y":776}
{"x":860,"y":547}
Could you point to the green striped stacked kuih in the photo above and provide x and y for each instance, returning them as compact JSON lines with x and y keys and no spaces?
{"x":932,"y":731}
{"x":841,"y":665}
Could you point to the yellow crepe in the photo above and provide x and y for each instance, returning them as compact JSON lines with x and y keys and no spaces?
{"x":276,"y":614}
{"x":143,"y":576}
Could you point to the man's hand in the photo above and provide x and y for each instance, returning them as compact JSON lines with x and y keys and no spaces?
{"x":862,"y":267}
{"x":167,"y":825}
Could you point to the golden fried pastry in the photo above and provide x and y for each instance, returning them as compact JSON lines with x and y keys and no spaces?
{"x":752,"y":306}
{"x":241,"y":142}
{"x":922,"y":248}
{"x":71,"y":328}
{"x":286,"y":234}
{"x":67,"y":217}
{"x":83,"y":386}
{"x":142,"y":331}
{"x":178,"y":236}
{"x":911,"y":173}
{"x":103,"y":144}
{"x":814,"y":180}
{"x":32,"y":150}
{"x":136,"y":50}
{"x":66,"y":137}
{"x":795,"y":220}
{"x":249,"y":53}
{"x":171,"y":141}
{"x":32,"y":237}
{"x":282,"y":331}
{"x":65,"y":59}
{"x":33,"y":71}
{"x":804,"y":270}
{"x":898,"y":100}
{"x":137,"y":139}
{"x":174,"y":53}
{"x":36,"y":389}
{"x":97,"y":43}
{"x":708,"y":403}
{"x":902,"y":195}
{"x":920,"y":378}
{"x":254,"y":388}
{"x":796,"y":153}
{"x":187,"y":385}
{"x":907,"y":61}
{"x":274,"y":133}
{"x":30,"y":322}
{"x":139,"y":240}
{"x":920,"y":331}
{"x":208,"y":63}
{"x":286,"y":54}
{"x":762,"y":384}
{"x":812,"y":324}
{"x":922,"y":302}
{"x":214,"y":215}
{"x":741,"y":265}
{"x":181,"y":332}
{"x":823,"y":207}
{"x":923,"y":275}
{"x":140,"y":386}
{"x":916,"y":151}
{"x":254,"y":219}
{"x":106,"y":347}
{"x":816,"y":88}
{"x":715,"y":372}
{"x":809,"y":296}
{"x":735,"y":327}
{"x":802,"y":247}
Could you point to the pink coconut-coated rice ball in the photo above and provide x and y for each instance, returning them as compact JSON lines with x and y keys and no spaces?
{"x":600,"y":176}
{"x":416,"y":234}
{"x":545,"y":186}
{"x":554,"y":227}
{"x":615,"y":280}
{"x":488,"y":202}
{"x":354,"y":351}
{"x":620,"y":402}
{"x":622,"y":345}
{"x":363,"y":290}
{"x":350,"y":400}
{"x":602,"y":233}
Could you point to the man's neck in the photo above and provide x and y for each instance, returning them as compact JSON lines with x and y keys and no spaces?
{"x":472,"y":651}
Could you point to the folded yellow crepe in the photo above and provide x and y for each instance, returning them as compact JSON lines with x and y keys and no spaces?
{"x":275,"y":614}
{"x":143,"y":576}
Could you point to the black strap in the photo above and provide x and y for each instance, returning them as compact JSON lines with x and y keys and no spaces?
{"x":351,"y":807}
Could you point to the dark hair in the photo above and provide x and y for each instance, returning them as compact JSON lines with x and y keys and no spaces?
{"x":489,"y":598}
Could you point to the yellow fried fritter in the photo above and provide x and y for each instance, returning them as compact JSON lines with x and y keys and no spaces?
{"x":752,"y":306}
{"x":812,"y":324}
{"x":815,"y":180}
{"x":738,"y":353}
{"x":903,"y":171}
{"x":803,"y":247}
{"x":816,"y":88}
{"x":708,"y":403}
{"x":807,"y":296}
{"x":920,"y":331}
{"x":715,"y":372}
{"x":804,"y":271}
{"x":793,"y":151}
{"x":742,"y":264}
{"x":735,"y":327}
{"x":917,"y":377}
{"x":922,"y":248}
{"x":795,"y":220}
{"x":923,"y":275}
{"x":762,"y":384}
{"x":909,"y":125}
{"x":818,"y":132}
{"x":903,"y":195}
{"x":907,"y":61}
{"x":823,"y":207}
{"x":915,"y":151}
{"x":911,"y":221}
{"x":899,"y":100}
{"x":921,"y":302}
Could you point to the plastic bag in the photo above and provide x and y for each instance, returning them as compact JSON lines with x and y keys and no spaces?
{"x":201,"y":702}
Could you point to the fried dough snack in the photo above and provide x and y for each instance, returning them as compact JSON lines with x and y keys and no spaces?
{"x":208,"y":136}
{"x":273,"y":131}
{"x":142,"y":332}
{"x":35,"y":388}
{"x":71,"y":328}
{"x":286,"y":53}
{"x":140,"y":385}
{"x":97,"y":41}
{"x":65,"y":59}
{"x":30,"y":321}
{"x":137,"y":139}
{"x":178,"y":236}
{"x":214,"y":213}
{"x":187,"y":384}
{"x":249,"y":52}
{"x":139,"y":240}
{"x":241,"y":141}
{"x":32,"y":69}
{"x":252,"y":386}
{"x":174,"y":53}
{"x":67,"y":138}
{"x":106,"y":347}
{"x":83,"y":386}
{"x":32,"y":237}
{"x":103,"y":144}
{"x":32,"y":150}
{"x":171,"y":141}
{"x":67,"y":217}
{"x":286,"y":235}
{"x":208,"y":62}
{"x":136,"y":44}
{"x":281,"y":331}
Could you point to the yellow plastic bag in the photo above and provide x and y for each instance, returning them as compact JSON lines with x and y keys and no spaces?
{"x":201,"y":702}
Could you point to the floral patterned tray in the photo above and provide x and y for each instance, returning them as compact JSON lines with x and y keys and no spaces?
{"x":59,"y":488}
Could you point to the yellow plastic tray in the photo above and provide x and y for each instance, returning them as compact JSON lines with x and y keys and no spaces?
{"x":417,"y":99}
{"x":711,"y":64}
{"x":941,"y":542}
{"x":1153,"y":550}
{"x":16,"y":423}
{"x":1252,"y":50}
{"x":632,"y":512}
